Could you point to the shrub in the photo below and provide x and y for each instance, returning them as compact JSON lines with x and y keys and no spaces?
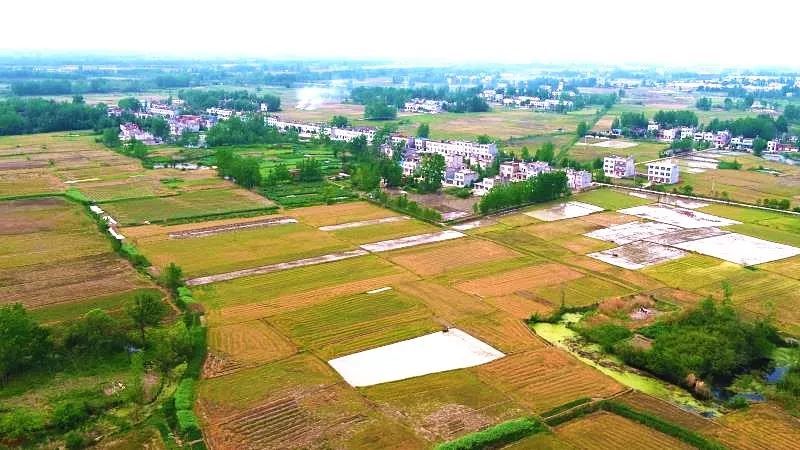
{"x":70,"y":414}
{"x":606,"y":335}
{"x":188,"y":424}
{"x":21,"y":423}
{"x":75,"y":440}
{"x":185,"y":394}
{"x":495,"y":436}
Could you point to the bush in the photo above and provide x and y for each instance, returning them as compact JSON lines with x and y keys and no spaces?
{"x":185,"y":394}
{"x":188,"y":424}
{"x":21,"y":423}
{"x":495,"y":436}
{"x":606,"y":335}
{"x":75,"y":440}
{"x":131,"y":253}
{"x":70,"y":414}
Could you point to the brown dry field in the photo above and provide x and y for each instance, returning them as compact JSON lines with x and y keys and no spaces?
{"x":582,"y":244}
{"x":446,"y":303}
{"x":253,"y":342}
{"x":559,"y":229}
{"x":319,"y":216}
{"x":433,"y":260}
{"x":502,"y":331}
{"x":546,"y":377}
{"x":607,"y":218}
{"x":667,"y":411}
{"x":521,"y":306}
{"x":758,"y":427}
{"x":324,"y":112}
{"x":258,"y":310}
{"x":604,"y":430}
{"x":148,"y":233}
{"x":516,"y":280}
{"x":28,"y":182}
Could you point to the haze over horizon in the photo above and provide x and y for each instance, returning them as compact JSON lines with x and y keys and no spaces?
{"x":679,"y":34}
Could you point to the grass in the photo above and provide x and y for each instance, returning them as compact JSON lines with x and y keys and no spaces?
{"x":643,"y":151}
{"x":240,"y":249}
{"x":767,"y":233}
{"x":261,"y":288}
{"x":186,"y":205}
{"x":610,"y":199}
{"x":66,"y":311}
{"x":347,"y":325}
{"x":744,"y":185}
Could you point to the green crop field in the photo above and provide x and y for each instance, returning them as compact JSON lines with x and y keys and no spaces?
{"x":384,"y":231}
{"x":185,"y":206}
{"x":641,"y":152}
{"x":610,"y":199}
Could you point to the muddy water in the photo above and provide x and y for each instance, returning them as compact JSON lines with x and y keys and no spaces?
{"x":561,"y":336}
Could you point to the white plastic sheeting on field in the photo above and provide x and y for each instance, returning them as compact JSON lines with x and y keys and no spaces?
{"x":740,"y":249}
{"x":411,"y":241}
{"x":568,"y":210}
{"x":681,"y":217}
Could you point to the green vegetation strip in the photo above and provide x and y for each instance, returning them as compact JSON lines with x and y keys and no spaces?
{"x":566,"y":406}
{"x":496,"y":436}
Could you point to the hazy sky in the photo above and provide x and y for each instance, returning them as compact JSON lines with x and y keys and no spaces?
{"x":671,"y":32}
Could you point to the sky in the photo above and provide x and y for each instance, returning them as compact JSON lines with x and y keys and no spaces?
{"x":675,"y":33}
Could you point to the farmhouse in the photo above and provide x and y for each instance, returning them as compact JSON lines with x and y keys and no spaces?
{"x":160,"y":109}
{"x":519,"y":171}
{"x":662,"y":172}
{"x":131,"y":131}
{"x":476,"y":154}
{"x":180,"y":124}
{"x":578,"y":179}
{"x":419,"y":105}
{"x":619,"y":167}
{"x":464,"y":178}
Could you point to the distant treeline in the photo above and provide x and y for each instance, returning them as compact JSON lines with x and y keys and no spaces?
{"x":466,"y":100}
{"x":25,"y":116}
{"x":96,"y":85}
{"x":241,"y":100}
{"x":762,"y":126}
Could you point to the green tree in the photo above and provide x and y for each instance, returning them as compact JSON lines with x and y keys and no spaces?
{"x":172,"y":277}
{"x":339,"y":121}
{"x":147,"y":310}
{"x":379,"y":111}
{"x":111,"y":137}
{"x":526,"y":154}
{"x":703,"y":104}
{"x":759,"y":145}
{"x":130,"y":104}
{"x":23,"y":343}
{"x":582,"y":129}
{"x":431,"y":169}
{"x":727,"y":104}
{"x":546,"y":153}
{"x":424,"y":130}
{"x":310,"y":170}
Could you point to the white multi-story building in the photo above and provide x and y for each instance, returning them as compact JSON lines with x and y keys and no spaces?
{"x":653,"y":126}
{"x":464,"y":178}
{"x":304,"y":130}
{"x":485,"y":185}
{"x":663,"y":172}
{"x":418,"y":105}
{"x":686,"y":132}
{"x":578,"y":180}
{"x":159,"y":109}
{"x":669,"y":134}
{"x":619,"y":167}
{"x":131,"y":131}
{"x":348,"y":134}
{"x":519,"y":171}
{"x":221,"y":113}
{"x":476,"y":154}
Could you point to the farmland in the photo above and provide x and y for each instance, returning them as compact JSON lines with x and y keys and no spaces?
{"x":608,"y":431}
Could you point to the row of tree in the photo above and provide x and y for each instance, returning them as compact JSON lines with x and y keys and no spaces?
{"x":241,"y":100}
{"x":541,"y":188}
{"x":36,"y":115}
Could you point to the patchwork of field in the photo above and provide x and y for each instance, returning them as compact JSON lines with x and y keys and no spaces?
{"x":53,"y":255}
{"x":604,"y":430}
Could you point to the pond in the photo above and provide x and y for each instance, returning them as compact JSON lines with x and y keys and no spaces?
{"x":560,"y":335}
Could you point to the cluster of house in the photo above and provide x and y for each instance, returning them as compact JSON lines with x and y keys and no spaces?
{"x":719,"y":139}
{"x":421,"y":105}
{"x":178,"y":122}
{"x":459,"y":156}
{"x":664,"y":171}
{"x":528,"y":102}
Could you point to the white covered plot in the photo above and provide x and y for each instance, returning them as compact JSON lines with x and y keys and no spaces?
{"x":681,"y":217}
{"x":638,"y":255}
{"x":411,"y":241}
{"x":740,"y":249}
{"x":432,"y":353}
{"x":630,"y":232}
{"x":568,"y":210}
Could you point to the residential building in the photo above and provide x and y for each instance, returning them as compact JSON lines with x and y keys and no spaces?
{"x":419,"y":105}
{"x":131,"y":131}
{"x":160,"y":109}
{"x":485,"y":185}
{"x":653,"y":126}
{"x":179,"y":124}
{"x":669,"y":134}
{"x":619,"y":167}
{"x":465,"y":178}
{"x":665,"y":171}
{"x":722,"y":139}
{"x":475,"y":154}
{"x":578,"y":180}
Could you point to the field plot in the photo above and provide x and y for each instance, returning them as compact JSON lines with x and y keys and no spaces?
{"x":13,"y":183}
{"x":522,"y":279}
{"x":432,"y":353}
{"x":318,"y":216}
{"x":611,"y":199}
{"x":51,"y":253}
{"x":583,"y":291}
{"x":445,"y":405}
{"x":206,"y":202}
{"x":253,"y":342}
{"x":439,"y":258}
{"x":746,"y":185}
{"x":685,"y":235}
{"x":568,"y":210}
{"x":503,"y":331}
{"x":631,"y":232}
{"x":772,"y":230}
{"x":240,"y":249}
{"x":740,"y":249}
{"x":638,"y":255}
{"x":563,"y":228}
{"x":345,"y":325}
{"x":310,"y":283}
{"x":545,"y":378}
{"x":693,"y":271}
{"x":641,"y":151}
{"x":521,"y":306}
{"x":208,"y":231}
{"x":759,"y":427}
{"x":540,"y":441}
{"x":684,"y":218}
{"x":412,"y":241}
{"x":667,"y":411}
{"x":604,"y":430}
{"x":446,"y":303}
{"x":382,"y":231}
